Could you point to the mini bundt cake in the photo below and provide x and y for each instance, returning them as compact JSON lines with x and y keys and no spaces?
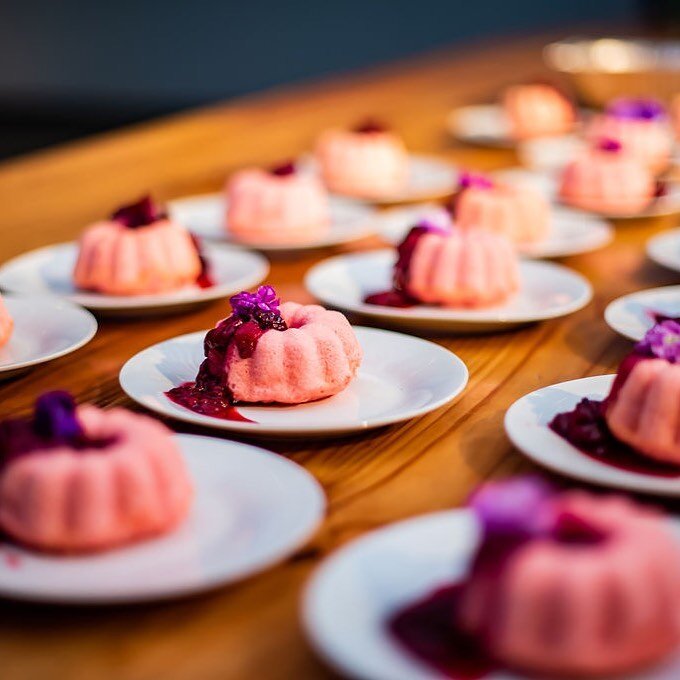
{"x":366,"y":162}
{"x":642,"y":408}
{"x":606,"y":179}
{"x":570,"y":584}
{"x":278,"y":206}
{"x":517,"y":211}
{"x":642,"y":128}
{"x":537,"y":110}
{"x":264,"y":353}
{"x":456,"y":267}
{"x":138,"y":251}
{"x":6,"y":324}
{"x":82,"y":479}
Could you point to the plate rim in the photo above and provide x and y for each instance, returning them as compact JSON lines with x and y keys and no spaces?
{"x":655,"y":241}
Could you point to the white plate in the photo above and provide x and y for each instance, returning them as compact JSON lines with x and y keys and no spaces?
{"x":549,"y":153}
{"x":571,"y":232}
{"x":631,"y":315}
{"x":548,"y":184}
{"x":547,"y":291}
{"x":400,"y":378}
{"x":357,"y":589}
{"x":252,"y":508}
{"x":429,"y":178}
{"x":44,"y":329}
{"x":48,"y":271}
{"x":664,"y":249}
{"x":204,"y":215}
{"x":526,"y":423}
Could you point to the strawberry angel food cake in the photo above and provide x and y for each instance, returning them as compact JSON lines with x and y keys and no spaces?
{"x":369,"y":161}
{"x":641,"y":126}
{"x":451,"y":267}
{"x":6,"y":324}
{"x":139,"y":250}
{"x":516,"y":211}
{"x":607,"y":179}
{"x":79,"y":479}
{"x":278,"y":206}
{"x":637,"y":426}
{"x":564,"y":585}
{"x":266,"y":352}
{"x":538,"y":110}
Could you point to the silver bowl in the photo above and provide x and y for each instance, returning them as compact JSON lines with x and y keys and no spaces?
{"x":600,"y":69}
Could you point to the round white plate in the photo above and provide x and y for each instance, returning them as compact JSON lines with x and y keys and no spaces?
{"x":204,"y":215}
{"x":401,"y":377}
{"x":664,"y":249}
{"x":526,"y":423}
{"x":44,"y":329}
{"x":549,"y":153}
{"x":429,"y":178}
{"x":251,"y":509}
{"x":571,"y":232}
{"x":48,"y":271}
{"x":357,"y":589}
{"x":547,"y":291}
{"x":631,"y":315}
{"x":548,"y":183}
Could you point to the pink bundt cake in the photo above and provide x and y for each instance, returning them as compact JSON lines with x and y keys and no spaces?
{"x":6,"y":324}
{"x":642,"y":128}
{"x":571,"y":584}
{"x":279,"y":206}
{"x":82,"y":479}
{"x":138,"y":251}
{"x":366,"y":162}
{"x":517,"y":211}
{"x":606,"y":179}
{"x":537,"y":110}
{"x":264,"y":353}
{"x":642,"y":408}
{"x":456,"y":267}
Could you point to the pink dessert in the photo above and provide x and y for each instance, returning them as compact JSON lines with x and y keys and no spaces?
{"x":452,"y":267}
{"x":82,"y":479}
{"x":606,"y":179}
{"x":279,"y":206}
{"x":366,"y":162}
{"x":562,"y":584}
{"x":642,"y":128}
{"x":266,"y":353}
{"x":138,"y":251}
{"x":517,"y":211}
{"x":538,"y":110}
{"x":6,"y":324}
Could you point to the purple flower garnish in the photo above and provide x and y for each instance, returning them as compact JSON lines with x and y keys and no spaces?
{"x":513,"y":507}
{"x":429,"y":226}
{"x":261,"y":307}
{"x":139,"y":214}
{"x":637,"y":109}
{"x":370,"y":126}
{"x":609,"y":145}
{"x":55,"y":417}
{"x":474,"y":180}
{"x":283,"y":169}
{"x":662,"y":341}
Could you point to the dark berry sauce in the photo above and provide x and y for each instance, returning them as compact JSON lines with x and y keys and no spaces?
{"x":204,"y":279}
{"x":285,"y":169}
{"x":370,"y":126}
{"x":139,"y":214}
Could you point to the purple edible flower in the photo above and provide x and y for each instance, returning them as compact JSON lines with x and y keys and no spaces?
{"x":609,"y":145}
{"x":283,"y":169}
{"x":637,"y":109}
{"x":662,"y":341}
{"x":514,"y":507}
{"x":431,"y":227}
{"x":474,"y":180}
{"x":139,"y":214}
{"x":55,"y":417}
{"x":261,"y":307}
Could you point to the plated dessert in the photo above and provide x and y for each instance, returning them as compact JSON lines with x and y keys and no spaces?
{"x":138,"y":251}
{"x":79,"y":479}
{"x":369,"y":161}
{"x":6,"y":323}
{"x":277,"y":206}
{"x":266,"y":352}
{"x":560,"y":584}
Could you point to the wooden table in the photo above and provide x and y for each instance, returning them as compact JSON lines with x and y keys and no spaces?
{"x":252,"y":630}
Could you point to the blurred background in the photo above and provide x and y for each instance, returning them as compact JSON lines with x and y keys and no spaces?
{"x":70,"y":68}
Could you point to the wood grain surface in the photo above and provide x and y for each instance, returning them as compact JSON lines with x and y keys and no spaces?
{"x":252,"y":630}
